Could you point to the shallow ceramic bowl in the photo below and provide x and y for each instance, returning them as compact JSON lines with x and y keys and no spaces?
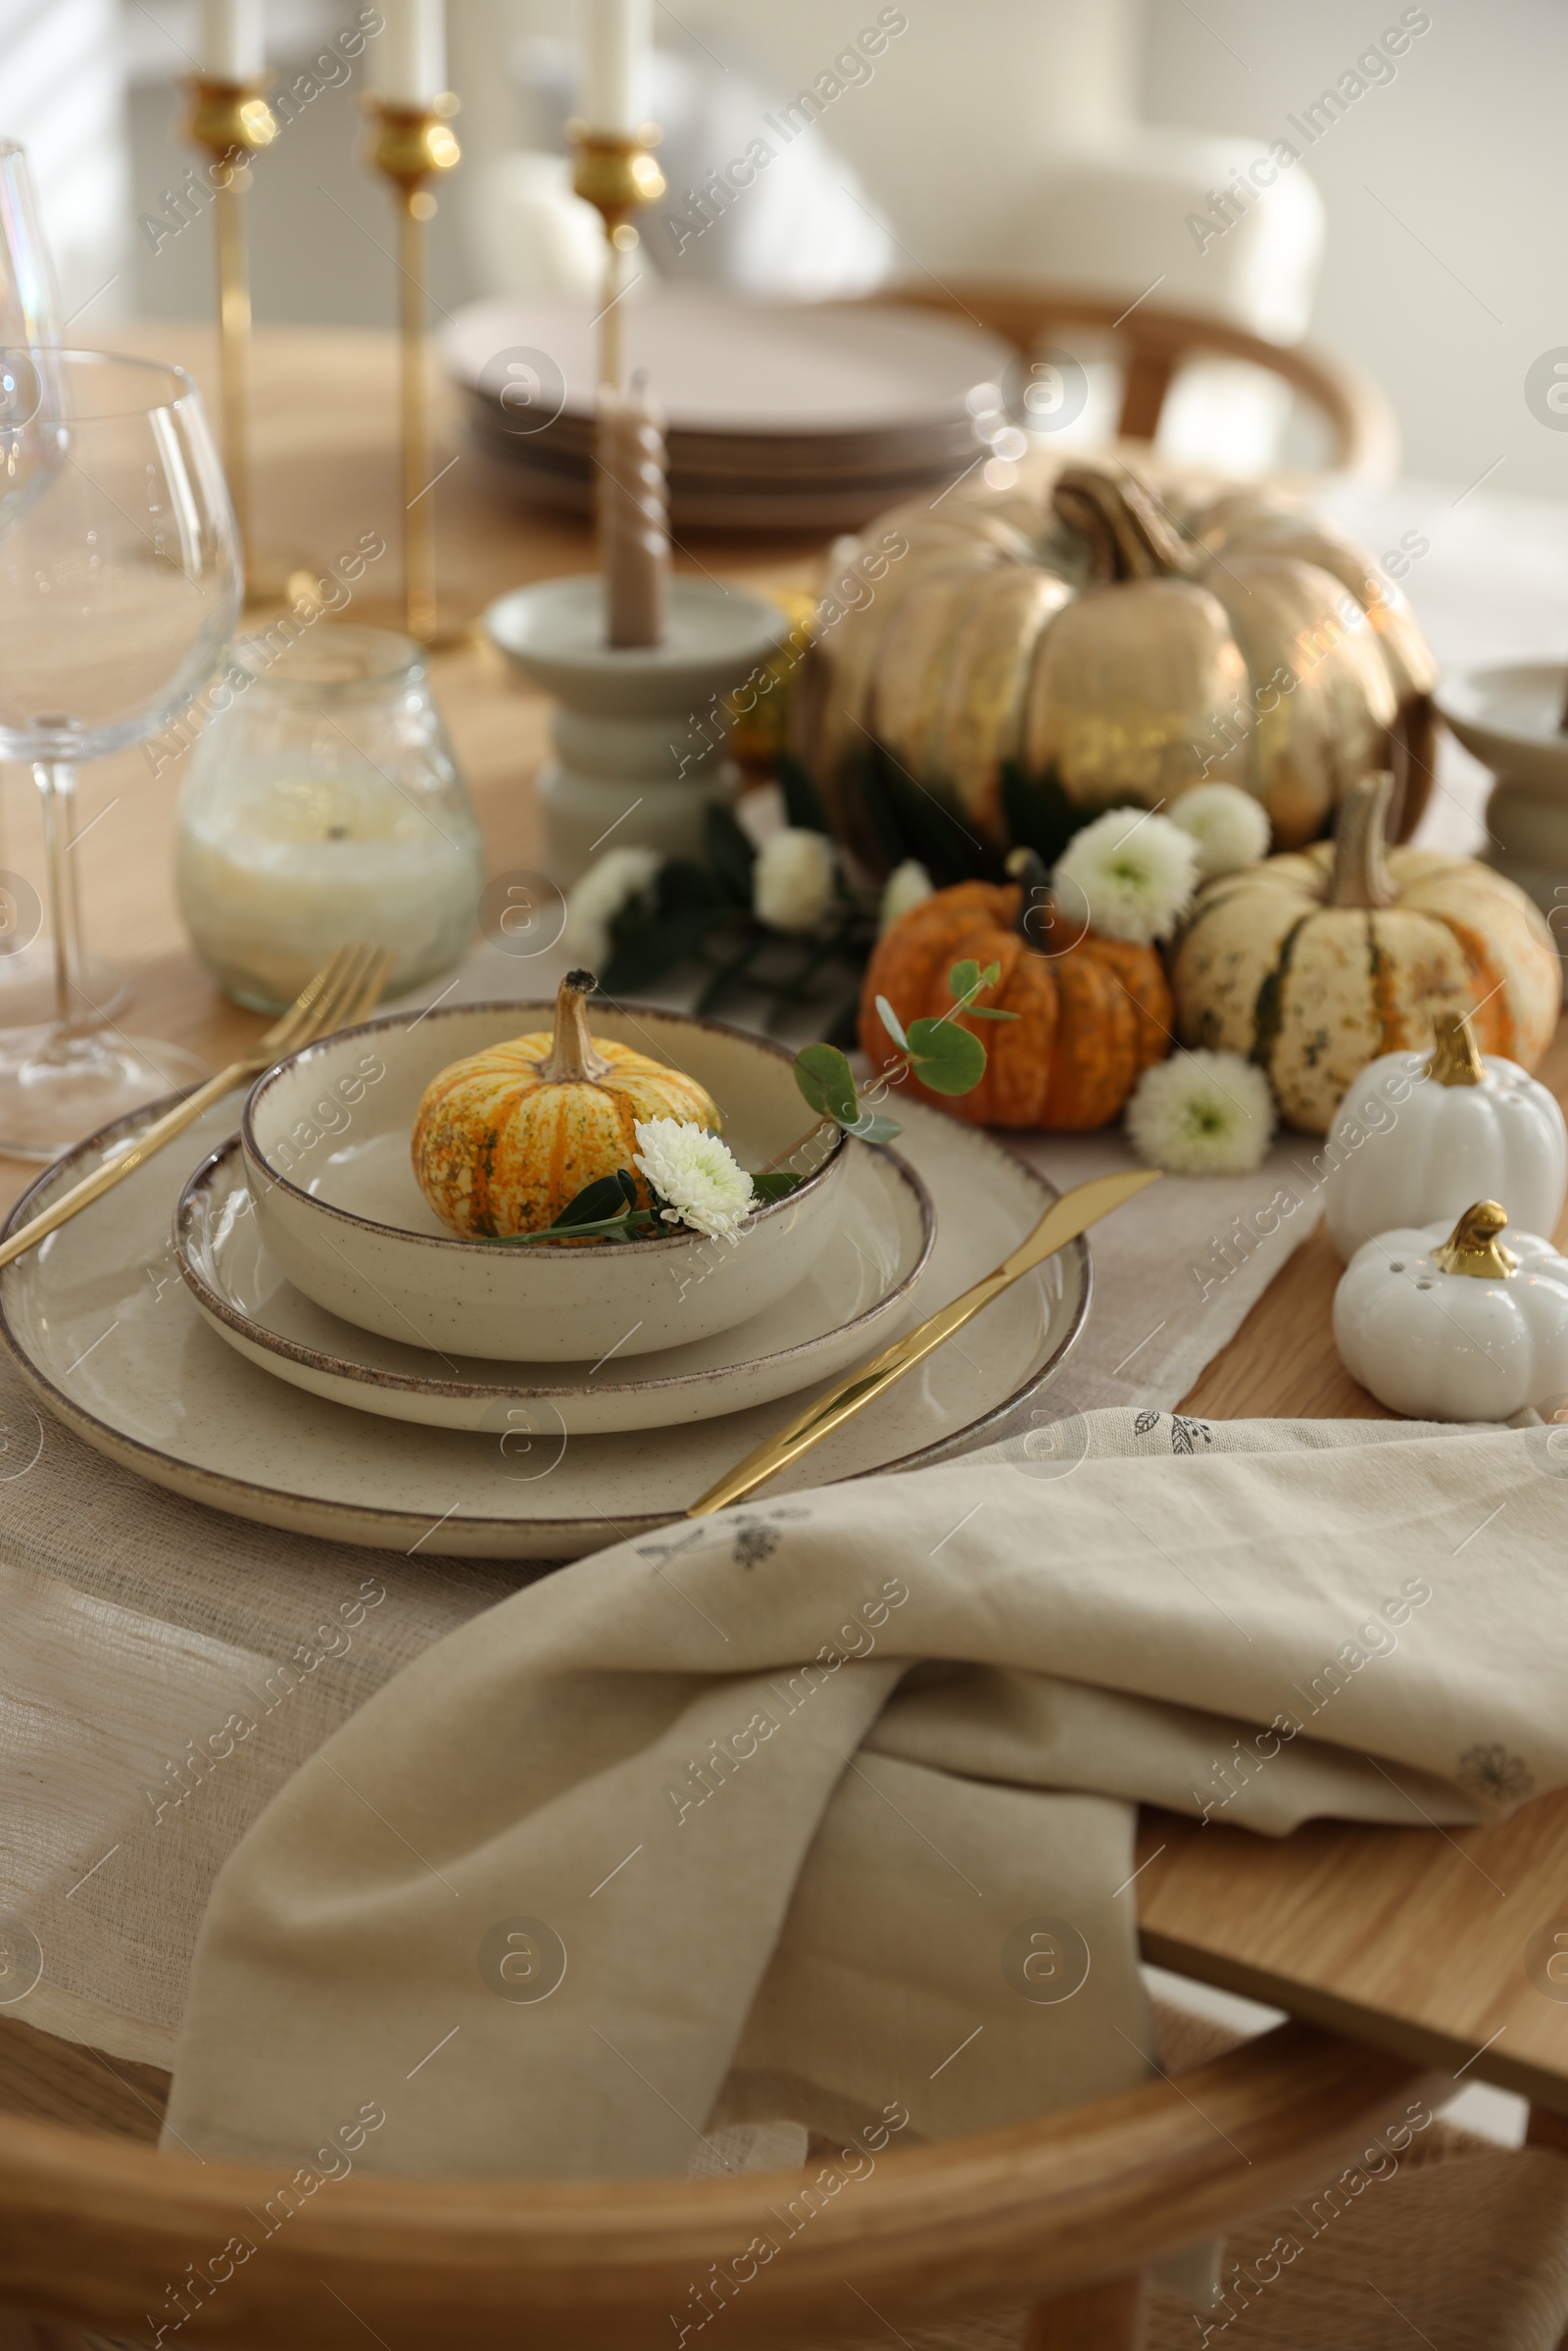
{"x":325,"y":1136}
{"x":1508,"y":716}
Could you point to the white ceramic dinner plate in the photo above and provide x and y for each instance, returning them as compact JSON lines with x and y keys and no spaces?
{"x":854,"y":1300}
{"x":109,"y":1337}
{"x":790,"y":371}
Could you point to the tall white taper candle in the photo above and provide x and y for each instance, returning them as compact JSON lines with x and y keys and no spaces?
{"x":231,"y":39}
{"x":412,"y":66}
{"x":614,"y":95}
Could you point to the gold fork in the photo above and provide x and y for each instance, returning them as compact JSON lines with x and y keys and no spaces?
{"x":344,"y":991}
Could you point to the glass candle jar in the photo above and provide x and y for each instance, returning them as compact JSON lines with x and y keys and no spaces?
{"x":323,"y":807}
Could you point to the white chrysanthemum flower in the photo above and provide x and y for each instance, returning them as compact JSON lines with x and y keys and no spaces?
{"x":1202,"y":1113}
{"x":694,"y":1174}
{"x":1128,"y":875}
{"x":908,"y":885}
{"x":792,"y":881}
{"x":592,"y":904}
{"x":1231,"y":827}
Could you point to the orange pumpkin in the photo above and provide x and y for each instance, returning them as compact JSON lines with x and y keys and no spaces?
{"x":504,"y":1139}
{"x":1090,"y":1018}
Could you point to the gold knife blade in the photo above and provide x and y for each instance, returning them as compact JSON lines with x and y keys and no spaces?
{"x":1062,"y":1221}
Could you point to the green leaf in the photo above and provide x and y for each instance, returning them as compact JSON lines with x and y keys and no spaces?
{"x":947,"y":1059}
{"x":824,"y":1077}
{"x":729,"y":852}
{"x":644,"y":952}
{"x":989,"y":1012}
{"x":872,"y":1127}
{"x":1037,"y":812}
{"x":966,"y":978}
{"x":803,"y":803}
{"x":891,"y":1024}
{"x":602,"y":1228}
{"x":775,"y":1182}
{"x":608,"y":1197}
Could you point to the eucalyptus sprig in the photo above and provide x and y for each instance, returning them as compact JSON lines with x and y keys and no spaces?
{"x":943,"y":1056}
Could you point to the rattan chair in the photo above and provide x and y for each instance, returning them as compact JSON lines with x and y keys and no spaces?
{"x":1154,"y":343}
{"x":1061,"y":2214}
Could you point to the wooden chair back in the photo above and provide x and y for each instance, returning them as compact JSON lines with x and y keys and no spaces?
{"x":1156,"y":341}
{"x":1061,"y":2213}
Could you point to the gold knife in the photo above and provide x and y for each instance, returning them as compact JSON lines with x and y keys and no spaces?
{"x":1062,"y":1221}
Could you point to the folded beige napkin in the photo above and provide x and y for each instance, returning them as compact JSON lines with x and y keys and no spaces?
{"x":823,"y":1808}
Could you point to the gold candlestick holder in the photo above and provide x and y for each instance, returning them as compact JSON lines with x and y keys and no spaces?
{"x":412,"y":145}
{"x":233,"y":121}
{"x":618,"y":175}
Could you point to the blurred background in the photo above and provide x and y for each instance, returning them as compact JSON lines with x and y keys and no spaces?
{"x":1417,"y":235}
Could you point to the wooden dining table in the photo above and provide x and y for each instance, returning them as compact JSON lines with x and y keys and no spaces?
{"x":1446,"y":1946}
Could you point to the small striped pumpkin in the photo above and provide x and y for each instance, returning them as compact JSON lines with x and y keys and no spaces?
{"x":504,"y":1139}
{"x":1090,"y":1019}
{"x":1314,"y":963}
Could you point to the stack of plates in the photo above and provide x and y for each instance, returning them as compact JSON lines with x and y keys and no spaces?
{"x":788,"y":416}
{"x":232,"y":1389}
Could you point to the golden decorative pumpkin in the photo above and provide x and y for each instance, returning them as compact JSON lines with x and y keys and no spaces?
{"x":1035,"y":658}
{"x":1313,"y":964}
{"x":507,"y":1138}
{"x":1090,"y":1018}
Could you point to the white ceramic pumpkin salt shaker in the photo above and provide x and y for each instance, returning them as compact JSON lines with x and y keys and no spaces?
{"x":1418,"y":1136}
{"x":1453,"y":1325}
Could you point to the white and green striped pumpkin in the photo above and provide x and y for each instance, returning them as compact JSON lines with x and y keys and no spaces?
{"x":1313,"y":964}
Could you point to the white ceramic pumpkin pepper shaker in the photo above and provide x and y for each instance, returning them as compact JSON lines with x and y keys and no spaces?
{"x":1419,"y":1135}
{"x":1459,"y":1328}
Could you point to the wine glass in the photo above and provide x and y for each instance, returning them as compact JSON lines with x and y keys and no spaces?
{"x":29,"y":311}
{"x":119,"y":584}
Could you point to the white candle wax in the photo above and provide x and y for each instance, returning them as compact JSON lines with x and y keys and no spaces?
{"x":615,"y":94}
{"x":277,"y":870}
{"x":413,"y":64}
{"x":231,"y":39}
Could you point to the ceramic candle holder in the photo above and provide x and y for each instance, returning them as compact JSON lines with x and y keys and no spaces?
{"x":639,"y":741}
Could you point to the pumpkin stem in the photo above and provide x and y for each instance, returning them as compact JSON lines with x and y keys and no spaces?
{"x":573,"y":1059}
{"x":1361,"y":875}
{"x":1127,"y":534}
{"x":1473,"y":1245}
{"x":1455,"y":1057}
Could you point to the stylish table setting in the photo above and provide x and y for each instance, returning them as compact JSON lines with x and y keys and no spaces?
{"x":1449,"y":1975}
{"x":1038,"y":1278}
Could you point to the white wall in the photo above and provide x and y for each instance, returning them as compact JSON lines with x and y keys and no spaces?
{"x":1448,"y":303}
{"x":1445,"y":272}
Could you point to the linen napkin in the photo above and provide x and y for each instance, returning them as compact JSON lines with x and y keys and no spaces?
{"x":824,"y":1807}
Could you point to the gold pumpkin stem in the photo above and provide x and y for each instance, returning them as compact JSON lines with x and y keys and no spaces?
{"x":1455,"y":1056}
{"x":1473,"y":1245}
{"x":573,"y":1059}
{"x":1128,"y":536}
{"x":1360,"y":876}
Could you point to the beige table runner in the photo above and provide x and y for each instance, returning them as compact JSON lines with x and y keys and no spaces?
{"x":824,"y":1808}
{"x":143,"y":1631}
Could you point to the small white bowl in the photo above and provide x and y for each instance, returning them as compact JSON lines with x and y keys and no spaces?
{"x":1508,"y":716}
{"x":326,"y":1134}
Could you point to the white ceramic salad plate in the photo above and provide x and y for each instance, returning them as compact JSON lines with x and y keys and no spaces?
{"x":854,"y":1300}
{"x":106,"y":1335}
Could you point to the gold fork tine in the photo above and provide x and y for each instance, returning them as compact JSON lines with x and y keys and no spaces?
{"x":343,"y":991}
{"x":364,"y":992}
{"x":286,"y":1031}
{"x":370,"y":990}
{"x":331,"y":1009}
